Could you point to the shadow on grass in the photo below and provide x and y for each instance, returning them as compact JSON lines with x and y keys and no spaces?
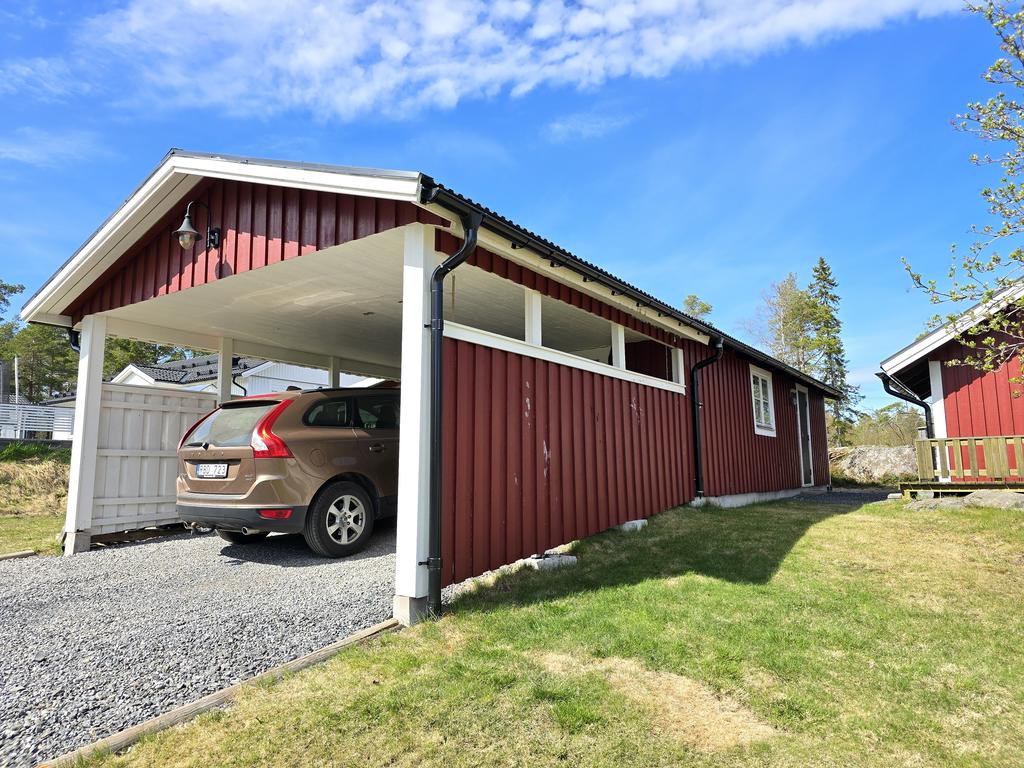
{"x":744,"y":546}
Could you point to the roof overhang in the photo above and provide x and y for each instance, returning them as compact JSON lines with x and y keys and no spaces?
{"x":930,"y":342}
{"x":172,"y":180}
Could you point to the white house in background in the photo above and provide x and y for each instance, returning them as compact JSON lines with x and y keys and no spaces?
{"x":249,"y":376}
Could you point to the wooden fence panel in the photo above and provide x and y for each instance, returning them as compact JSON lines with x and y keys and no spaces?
{"x":136,"y":461}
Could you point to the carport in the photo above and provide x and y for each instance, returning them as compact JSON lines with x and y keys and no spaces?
{"x":562,"y":398}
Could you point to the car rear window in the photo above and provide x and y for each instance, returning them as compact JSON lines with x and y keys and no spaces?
{"x":230,"y":426}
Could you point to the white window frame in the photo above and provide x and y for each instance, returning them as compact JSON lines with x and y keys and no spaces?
{"x":762,"y":428}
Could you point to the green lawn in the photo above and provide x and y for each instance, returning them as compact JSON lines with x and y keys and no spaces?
{"x":790,"y":634}
{"x":36,"y":532}
{"x":33,"y":495}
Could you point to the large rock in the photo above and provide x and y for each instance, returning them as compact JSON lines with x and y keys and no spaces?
{"x":874,"y":463}
{"x":995,"y":499}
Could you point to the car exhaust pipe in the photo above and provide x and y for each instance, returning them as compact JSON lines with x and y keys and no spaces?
{"x":245,"y":531}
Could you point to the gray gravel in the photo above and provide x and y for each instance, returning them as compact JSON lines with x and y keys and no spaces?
{"x":846,"y":496}
{"x":99,"y":642}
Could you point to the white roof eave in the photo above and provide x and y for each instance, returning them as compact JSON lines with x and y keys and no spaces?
{"x":172,"y":180}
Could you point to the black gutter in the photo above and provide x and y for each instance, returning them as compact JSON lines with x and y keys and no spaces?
{"x":695,"y":404}
{"x":470,"y":227}
{"x":903,"y":393}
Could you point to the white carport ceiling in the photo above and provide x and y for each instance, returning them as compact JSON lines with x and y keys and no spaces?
{"x":346,"y":301}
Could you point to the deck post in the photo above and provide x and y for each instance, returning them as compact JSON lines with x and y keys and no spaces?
{"x":82,"y":482}
{"x":411,"y":546}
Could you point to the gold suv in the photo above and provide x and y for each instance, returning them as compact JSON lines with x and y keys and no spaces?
{"x":323,"y":463}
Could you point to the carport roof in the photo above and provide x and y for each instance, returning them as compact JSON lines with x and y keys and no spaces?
{"x":412,"y":186}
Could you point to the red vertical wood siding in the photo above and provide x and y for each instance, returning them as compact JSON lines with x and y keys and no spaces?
{"x":261,"y":225}
{"x":536,"y":454}
{"x":980,"y":403}
{"x":528,"y":458}
{"x":736,"y":459}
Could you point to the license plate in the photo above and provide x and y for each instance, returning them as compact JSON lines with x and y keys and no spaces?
{"x":211,"y":471}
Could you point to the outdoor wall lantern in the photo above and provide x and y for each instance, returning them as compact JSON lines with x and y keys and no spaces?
{"x":187,"y":234}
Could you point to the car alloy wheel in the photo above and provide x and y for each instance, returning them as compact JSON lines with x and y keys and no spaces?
{"x":346,"y":518}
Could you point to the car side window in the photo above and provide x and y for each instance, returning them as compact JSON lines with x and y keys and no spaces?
{"x":378,"y":412}
{"x":332,"y":413}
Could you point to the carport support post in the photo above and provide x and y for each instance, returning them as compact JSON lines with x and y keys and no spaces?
{"x":225,"y":365}
{"x":412,"y":539}
{"x":82,"y":482}
{"x":333,"y":372}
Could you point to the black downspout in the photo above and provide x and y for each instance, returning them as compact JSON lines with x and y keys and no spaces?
{"x":470,"y":226}
{"x":905,"y":394}
{"x":695,"y":404}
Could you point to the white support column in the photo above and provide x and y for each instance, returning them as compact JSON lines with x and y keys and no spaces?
{"x":936,"y":401}
{"x":333,"y":372}
{"x":534,"y":334}
{"x":86,"y":436}
{"x":224,"y":368}
{"x":411,"y":547}
{"x":618,"y":346}
{"x":678,"y":367}
{"x":938,"y":409}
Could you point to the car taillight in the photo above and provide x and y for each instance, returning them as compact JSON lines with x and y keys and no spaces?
{"x":265,"y":444}
{"x":192,"y":429}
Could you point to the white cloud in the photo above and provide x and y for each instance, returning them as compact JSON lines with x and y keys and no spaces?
{"x":45,"y":79}
{"x":43,"y":148}
{"x":585,"y":125}
{"x":346,"y":59}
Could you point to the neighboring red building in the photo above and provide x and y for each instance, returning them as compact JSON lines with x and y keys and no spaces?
{"x":977,"y":414}
{"x":567,"y":398}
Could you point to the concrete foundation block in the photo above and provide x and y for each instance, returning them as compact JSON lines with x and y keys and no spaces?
{"x":549,"y":562}
{"x":632,"y":526}
{"x":410,"y":610}
{"x":75,"y":543}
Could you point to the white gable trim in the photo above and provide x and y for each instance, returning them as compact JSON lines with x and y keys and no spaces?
{"x":929,"y":343}
{"x":127,"y":371}
{"x":165,"y":188}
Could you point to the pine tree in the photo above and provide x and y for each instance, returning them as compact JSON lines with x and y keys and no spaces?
{"x":832,"y":364}
{"x":696,"y":307}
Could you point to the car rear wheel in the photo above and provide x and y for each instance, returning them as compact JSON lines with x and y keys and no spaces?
{"x":340,"y":523}
{"x":237,"y":537}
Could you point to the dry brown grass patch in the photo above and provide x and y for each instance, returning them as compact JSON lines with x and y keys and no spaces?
{"x":33,"y":487}
{"x":683,"y":709}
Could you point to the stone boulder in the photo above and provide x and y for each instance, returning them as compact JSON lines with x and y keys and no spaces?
{"x":874,"y":463}
{"x":995,"y":499}
{"x":947,"y":502}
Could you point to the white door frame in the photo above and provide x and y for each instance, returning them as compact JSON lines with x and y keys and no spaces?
{"x":799,"y":442}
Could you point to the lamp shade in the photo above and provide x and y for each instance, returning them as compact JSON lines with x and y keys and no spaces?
{"x":187,"y":233}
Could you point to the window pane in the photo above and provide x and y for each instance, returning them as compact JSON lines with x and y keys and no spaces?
{"x":230,"y":426}
{"x":378,"y":411}
{"x":334,"y":413}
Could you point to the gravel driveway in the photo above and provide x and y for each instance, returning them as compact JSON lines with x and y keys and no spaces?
{"x":101,"y":641}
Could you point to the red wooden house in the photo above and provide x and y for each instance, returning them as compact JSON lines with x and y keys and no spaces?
{"x":568,"y":398}
{"x":974,"y":418}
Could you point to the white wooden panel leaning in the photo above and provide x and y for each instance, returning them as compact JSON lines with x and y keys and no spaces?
{"x":136,"y":459}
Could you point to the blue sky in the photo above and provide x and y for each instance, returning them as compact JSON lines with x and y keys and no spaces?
{"x":689,"y":147}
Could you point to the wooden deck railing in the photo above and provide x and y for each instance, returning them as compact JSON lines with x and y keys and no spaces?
{"x":971,"y":459}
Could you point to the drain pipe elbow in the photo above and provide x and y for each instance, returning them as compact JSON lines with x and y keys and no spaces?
{"x":695,"y":404}
{"x":471,"y":221}
{"x":896,"y":388}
